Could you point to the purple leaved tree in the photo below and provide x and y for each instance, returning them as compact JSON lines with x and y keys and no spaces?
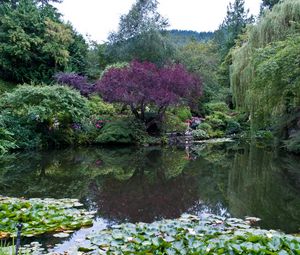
{"x":75,"y":81}
{"x":143,"y":85}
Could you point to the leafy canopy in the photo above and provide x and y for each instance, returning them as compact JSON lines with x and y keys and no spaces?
{"x":265,"y":72}
{"x":140,"y":35}
{"x":143,"y":17}
{"x":38,"y":116}
{"x":204,"y":60}
{"x":143,"y":84}
{"x":75,"y":81}
{"x":35,"y":44}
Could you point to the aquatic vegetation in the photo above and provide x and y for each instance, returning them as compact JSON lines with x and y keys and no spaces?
{"x":33,"y":248}
{"x":191,"y":235}
{"x":40,"y":216}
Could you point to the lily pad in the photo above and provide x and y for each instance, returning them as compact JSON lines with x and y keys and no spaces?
{"x":192,"y":235}
{"x":61,"y":235}
{"x":40,"y":216}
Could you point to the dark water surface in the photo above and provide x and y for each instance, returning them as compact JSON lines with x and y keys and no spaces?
{"x":146,"y":184}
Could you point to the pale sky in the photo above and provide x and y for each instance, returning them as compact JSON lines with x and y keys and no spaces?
{"x":97,"y":18}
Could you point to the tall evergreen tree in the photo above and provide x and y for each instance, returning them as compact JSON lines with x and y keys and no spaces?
{"x":43,"y":2}
{"x":269,"y":3}
{"x":234,"y":23}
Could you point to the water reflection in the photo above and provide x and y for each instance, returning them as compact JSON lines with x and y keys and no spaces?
{"x":146,"y":184}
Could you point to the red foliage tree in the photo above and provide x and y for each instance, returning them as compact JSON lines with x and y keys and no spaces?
{"x":143,"y":84}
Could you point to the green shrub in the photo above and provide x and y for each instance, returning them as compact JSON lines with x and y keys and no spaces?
{"x":121,"y":131}
{"x":215,"y":122}
{"x":22,"y":132}
{"x":183,"y":113}
{"x":86,"y":132}
{"x":217,"y":106}
{"x":200,"y":134}
{"x":204,"y":126}
{"x":42,"y":116}
{"x":117,"y":65}
{"x":98,"y":106}
{"x":173,"y":123}
{"x":220,"y":115}
{"x":218,"y":124}
{"x":232,"y":127}
{"x":6,"y":141}
{"x":217,"y":134}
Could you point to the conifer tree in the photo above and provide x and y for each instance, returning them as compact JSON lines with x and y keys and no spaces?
{"x":233,"y":25}
{"x":269,"y":3}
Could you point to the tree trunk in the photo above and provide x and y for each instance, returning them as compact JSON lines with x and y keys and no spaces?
{"x":135,"y":112}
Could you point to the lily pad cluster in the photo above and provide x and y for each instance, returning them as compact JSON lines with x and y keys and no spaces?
{"x":40,"y":216}
{"x":191,"y":235}
{"x":33,"y":248}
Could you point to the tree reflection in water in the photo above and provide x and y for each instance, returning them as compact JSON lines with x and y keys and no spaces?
{"x":145,"y":184}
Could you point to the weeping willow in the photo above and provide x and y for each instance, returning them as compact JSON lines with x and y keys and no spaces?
{"x":265,"y":70}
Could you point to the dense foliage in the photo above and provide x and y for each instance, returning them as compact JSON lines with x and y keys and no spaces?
{"x":265,"y":72}
{"x":141,"y":35}
{"x":35,"y":44}
{"x":219,"y":121}
{"x":183,"y":37}
{"x":7,"y":141}
{"x":75,"y":81}
{"x":96,"y":60}
{"x":41,"y":116}
{"x":203,"y":59}
{"x":145,"y":87}
{"x":126,"y":131}
{"x":146,"y":81}
{"x":233,"y":25}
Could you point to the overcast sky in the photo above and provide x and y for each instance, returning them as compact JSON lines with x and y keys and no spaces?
{"x":97,"y":18}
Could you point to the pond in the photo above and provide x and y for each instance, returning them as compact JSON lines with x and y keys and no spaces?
{"x":129,"y":184}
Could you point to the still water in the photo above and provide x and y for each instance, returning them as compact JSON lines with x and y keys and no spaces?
{"x":129,"y":184}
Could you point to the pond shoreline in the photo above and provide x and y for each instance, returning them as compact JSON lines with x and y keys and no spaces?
{"x":147,"y":184}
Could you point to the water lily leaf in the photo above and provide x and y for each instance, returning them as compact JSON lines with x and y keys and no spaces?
{"x":171,"y":251}
{"x":283,"y":252}
{"x":189,"y":235}
{"x":40,"y":216}
{"x":61,"y":235}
